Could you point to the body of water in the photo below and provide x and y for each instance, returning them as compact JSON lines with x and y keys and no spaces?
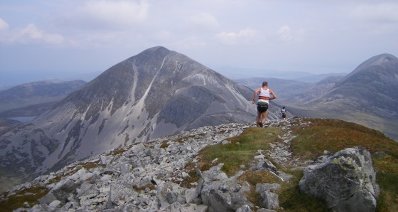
{"x":23,"y":119}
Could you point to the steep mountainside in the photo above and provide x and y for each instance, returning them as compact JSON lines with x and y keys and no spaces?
{"x":155,"y":93}
{"x":6,"y":124}
{"x":368,"y":95}
{"x":36,"y":93}
{"x":372,"y":85}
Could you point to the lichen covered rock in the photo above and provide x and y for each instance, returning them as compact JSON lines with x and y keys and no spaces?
{"x":269,"y":197}
{"x":346,"y":181}
{"x":221,"y":193}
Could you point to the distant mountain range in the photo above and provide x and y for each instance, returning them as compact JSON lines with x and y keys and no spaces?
{"x":284,"y":89}
{"x":368,"y":95}
{"x":36,"y":93}
{"x":237,"y":73}
{"x":153,"y":94}
{"x":292,"y":91}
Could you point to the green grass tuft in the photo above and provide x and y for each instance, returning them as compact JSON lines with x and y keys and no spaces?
{"x":291,"y":199}
{"x":335,"y":135}
{"x":387,"y":178}
{"x":240,"y":150}
{"x":119,"y":151}
{"x":254,"y":177}
{"x":28,"y":195}
{"x":164,"y":145}
{"x":192,"y":179}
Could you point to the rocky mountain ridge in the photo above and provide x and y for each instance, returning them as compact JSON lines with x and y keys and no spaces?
{"x":150,"y":163}
{"x":167,"y":174}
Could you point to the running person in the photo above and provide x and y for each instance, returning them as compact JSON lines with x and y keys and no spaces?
{"x":265,"y":94}
{"x":283,"y":112}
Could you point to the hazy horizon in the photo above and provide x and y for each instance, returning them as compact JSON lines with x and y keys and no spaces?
{"x":66,"y":39}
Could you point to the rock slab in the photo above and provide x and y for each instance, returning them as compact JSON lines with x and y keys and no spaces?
{"x":346,"y":181}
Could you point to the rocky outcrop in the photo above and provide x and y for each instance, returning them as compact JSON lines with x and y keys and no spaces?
{"x":221,"y":193}
{"x":346,"y":181}
{"x":144,"y":177}
{"x":269,"y":197}
{"x":160,"y":176}
{"x":170,"y":193}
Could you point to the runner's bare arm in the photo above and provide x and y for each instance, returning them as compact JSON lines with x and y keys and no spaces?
{"x":254,"y":95}
{"x":273,"y":95}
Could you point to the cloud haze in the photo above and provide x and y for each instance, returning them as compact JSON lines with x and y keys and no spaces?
{"x":105,"y":14}
{"x":384,"y":12}
{"x":82,"y":36}
{"x":3,"y":25}
{"x":205,"y":20}
{"x":242,"y":36}
{"x":30,"y":34}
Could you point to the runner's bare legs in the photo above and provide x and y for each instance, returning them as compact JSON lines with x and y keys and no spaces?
{"x":263,"y":117}
{"x":258,"y":119}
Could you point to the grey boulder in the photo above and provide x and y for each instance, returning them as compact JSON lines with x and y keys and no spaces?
{"x":269,"y":198}
{"x":221,"y":193}
{"x":346,"y":181}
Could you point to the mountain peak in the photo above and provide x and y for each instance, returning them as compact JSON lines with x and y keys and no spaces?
{"x":378,"y":60}
{"x":386,"y":56}
{"x":153,"y":94}
{"x":156,"y":49}
{"x":375,"y":64}
{"x":383,"y":58}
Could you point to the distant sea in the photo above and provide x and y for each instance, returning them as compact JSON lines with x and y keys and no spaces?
{"x":23,"y":119}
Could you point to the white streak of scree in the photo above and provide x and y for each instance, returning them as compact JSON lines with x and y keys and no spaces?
{"x":150,"y":85}
{"x":135,"y":79}
{"x":238,"y":97}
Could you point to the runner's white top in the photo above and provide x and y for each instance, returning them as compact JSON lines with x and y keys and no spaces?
{"x":264,"y":93}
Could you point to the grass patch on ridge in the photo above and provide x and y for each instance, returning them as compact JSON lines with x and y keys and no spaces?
{"x":240,"y":150}
{"x":387,"y":178}
{"x":28,"y":195}
{"x":254,"y":177}
{"x":291,"y":199}
{"x":335,"y":135}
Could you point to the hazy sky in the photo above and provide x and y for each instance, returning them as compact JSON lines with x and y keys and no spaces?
{"x":43,"y":39}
